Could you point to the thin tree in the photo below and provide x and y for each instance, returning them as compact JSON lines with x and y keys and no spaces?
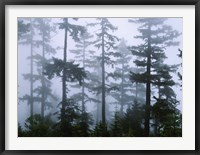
{"x":68,"y":71}
{"x":106,"y":41}
{"x":124,"y":95}
{"x":28,"y":39}
{"x":83,"y":56}
{"x":45,"y":28}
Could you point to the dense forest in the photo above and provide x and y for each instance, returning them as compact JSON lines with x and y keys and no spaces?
{"x":99,"y":77}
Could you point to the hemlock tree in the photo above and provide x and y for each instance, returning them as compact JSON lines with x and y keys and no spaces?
{"x":124,"y":95}
{"x":45,"y":28}
{"x":23,"y":29}
{"x":116,"y":129}
{"x":132,"y":121}
{"x":168,"y":118}
{"x":28,"y":39}
{"x":94,"y":86}
{"x":166,"y":102}
{"x":68,"y":71}
{"x":90,"y":91}
{"x":39,"y":37}
{"x":106,"y":41}
{"x":82,"y":55}
{"x":156,"y":36}
{"x":163,"y":82}
{"x":36,"y":126}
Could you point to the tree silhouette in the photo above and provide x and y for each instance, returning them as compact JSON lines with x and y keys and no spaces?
{"x":106,"y":41}
{"x":68,"y":71}
{"x":156,"y":36}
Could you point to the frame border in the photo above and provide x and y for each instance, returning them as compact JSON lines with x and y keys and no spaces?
{"x":3,"y":4}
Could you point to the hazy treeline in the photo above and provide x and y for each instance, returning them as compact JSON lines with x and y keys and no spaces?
{"x":107,"y":86}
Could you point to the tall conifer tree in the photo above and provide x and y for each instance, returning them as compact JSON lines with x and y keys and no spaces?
{"x":68,"y":71}
{"x":156,"y":36}
{"x":106,"y":41}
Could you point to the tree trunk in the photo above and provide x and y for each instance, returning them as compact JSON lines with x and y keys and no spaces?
{"x":83,"y":86}
{"x":148,"y":87}
{"x":31,"y":73}
{"x":156,"y":127}
{"x":103,"y":78}
{"x":122,"y":93}
{"x":159,"y":93}
{"x":64,"y":94}
{"x":136,"y":92}
{"x":43,"y":82}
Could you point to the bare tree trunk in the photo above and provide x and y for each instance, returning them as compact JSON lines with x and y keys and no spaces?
{"x":43,"y":82}
{"x":122,"y":93}
{"x":136,"y":92}
{"x":64,"y":87}
{"x":31,"y":72}
{"x":103,"y":78}
{"x":83,"y":86}
{"x":156,"y":127}
{"x":148,"y":87}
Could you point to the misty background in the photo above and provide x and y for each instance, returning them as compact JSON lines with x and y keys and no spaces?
{"x":126,"y":31}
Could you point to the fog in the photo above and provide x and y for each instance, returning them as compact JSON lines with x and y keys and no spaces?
{"x":126,"y":33}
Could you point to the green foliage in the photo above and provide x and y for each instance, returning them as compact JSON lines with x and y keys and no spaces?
{"x":82,"y":127}
{"x":74,"y":30}
{"x":105,"y":31}
{"x":73,"y":125}
{"x":72,"y":122}
{"x":155,"y":36}
{"x":133,"y":120}
{"x":36,"y":126}
{"x":83,"y":56}
{"x":116,"y":129}
{"x":67,"y":116}
{"x":100,"y":130}
{"x":168,"y":118}
{"x":21,"y":133}
{"x":73,"y":71}
{"x":139,"y":77}
{"x":38,"y":38}
{"x":107,"y":42}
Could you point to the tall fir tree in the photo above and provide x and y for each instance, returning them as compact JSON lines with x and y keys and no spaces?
{"x":45,"y":31}
{"x":68,"y":71}
{"x":106,"y":41}
{"x":82,"y":55}
{"x":28,"y":39}
{"x":124,"y":95}
{"x":168,"y":118}
{"x":39,"y":37}
{"x":156,"y":36}
{"x":132,"y":121}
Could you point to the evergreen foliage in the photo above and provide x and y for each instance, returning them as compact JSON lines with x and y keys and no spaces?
{"x":156,"y":36}
{"x":106,"y":41}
